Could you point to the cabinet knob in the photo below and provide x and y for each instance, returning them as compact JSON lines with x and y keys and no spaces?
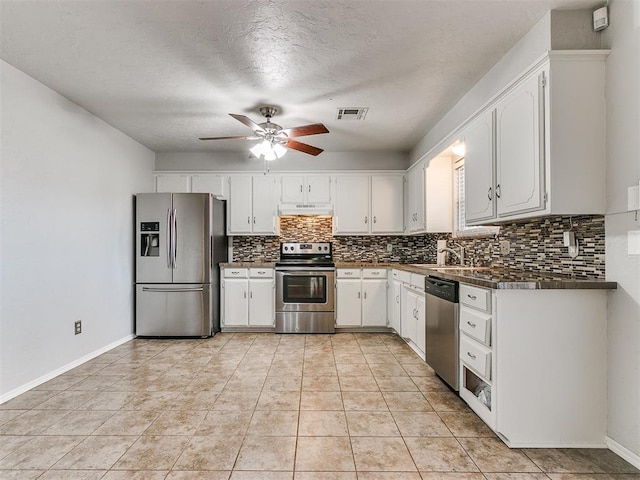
{"x":489,"y":193}
{"x":471,"y":324}
{"x":366,"y":219}
{"x":498,"y":191}
{"x":249,"y":220}
{"x":472,"y":297}
{"x":471,"y":355}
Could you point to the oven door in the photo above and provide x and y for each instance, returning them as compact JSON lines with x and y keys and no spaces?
{"x":305,"y":289}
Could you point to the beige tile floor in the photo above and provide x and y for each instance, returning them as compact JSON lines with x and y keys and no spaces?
{"x":266,"y":406}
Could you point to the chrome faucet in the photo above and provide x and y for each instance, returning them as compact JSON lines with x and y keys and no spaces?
{"x":459,"y":255}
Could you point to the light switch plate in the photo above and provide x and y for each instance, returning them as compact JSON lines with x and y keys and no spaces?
{"x":633,"y":198}
{"x":633,"y":242}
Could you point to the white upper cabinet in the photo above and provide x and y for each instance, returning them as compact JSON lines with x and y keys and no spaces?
{"x":209,"y":183}
{"x":251,"y":205}
{"x":416,"y":199}
{"x":305,"y":190}
{"x":369,"y":204}
{"x":173,"y":183}
{"x":352,"y":205}
{"x":430,"y":196}
{"x":439,"y":195}
{"x":519,"y":159}
{"x":538,"y":149}
{"x":387,"y":204}
{"x":479,"y":186}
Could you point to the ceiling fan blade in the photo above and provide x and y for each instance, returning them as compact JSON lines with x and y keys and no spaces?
{"x":248,"y":122}
{"x":314,"y":129}
{"x":234,"y":137}
{"x":303,"y":147}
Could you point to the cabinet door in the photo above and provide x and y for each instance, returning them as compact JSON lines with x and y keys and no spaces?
{"x":213,"y":184}
{"x":374,"y":303}
{"x":348,"y":302}
{"x":439,"y":195}
{"x":318,"y":189}
{"x":264,"y":205}
{"x":421,"y":327}
{"x":173,"y":184}
{"x":387,"y":204}
{"x":479,"y":193}
{"x":352,"y":205}
{"x":236,"y":304}
{"x":261,"y":302}
{"x":408,"y":314}
{"x":416,"y":199}
{"x":393,"y":305}
{"x":518,"y":153}
{"x":292,"y":190}
{"x":239,"y":205}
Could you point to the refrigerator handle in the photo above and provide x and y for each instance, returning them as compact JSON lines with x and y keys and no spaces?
{"x":168,"y":239}
{"x":175,"y":238}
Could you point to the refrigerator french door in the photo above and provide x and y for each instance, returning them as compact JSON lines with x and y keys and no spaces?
{"x":180,"y":241}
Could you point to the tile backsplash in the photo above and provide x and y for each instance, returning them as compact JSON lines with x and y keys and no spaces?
{"x":534,"y":245}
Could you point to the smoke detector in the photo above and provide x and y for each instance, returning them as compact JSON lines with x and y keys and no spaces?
{"x":352,"y":113}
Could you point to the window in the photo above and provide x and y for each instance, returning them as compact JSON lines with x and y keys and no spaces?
{"x":460,"y":228}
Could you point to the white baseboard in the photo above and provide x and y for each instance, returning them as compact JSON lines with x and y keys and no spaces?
{"x":628,"y":455}
{"x":59,"y":371}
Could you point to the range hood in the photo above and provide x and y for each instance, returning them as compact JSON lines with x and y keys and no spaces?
{"x":305,"y":209}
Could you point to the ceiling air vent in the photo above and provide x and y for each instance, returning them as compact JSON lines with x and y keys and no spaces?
{"x":352,"y":113}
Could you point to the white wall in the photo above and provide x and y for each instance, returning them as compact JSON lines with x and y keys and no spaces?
{"x":292,"y":161}
{"x":66,"y":181}
{"x":623,"y":170}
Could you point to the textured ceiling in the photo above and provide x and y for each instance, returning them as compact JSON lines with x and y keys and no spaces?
{"x":168,"y":72}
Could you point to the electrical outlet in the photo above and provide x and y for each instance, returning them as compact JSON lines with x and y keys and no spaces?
{"x":505,"y":247}
{"x":389,"y":248}
{"x":78,"y":327}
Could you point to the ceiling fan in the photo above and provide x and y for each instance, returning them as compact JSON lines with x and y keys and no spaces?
{"x":275,"y":139}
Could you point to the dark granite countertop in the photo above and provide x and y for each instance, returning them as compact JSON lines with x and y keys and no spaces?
{"x":488,"y":277}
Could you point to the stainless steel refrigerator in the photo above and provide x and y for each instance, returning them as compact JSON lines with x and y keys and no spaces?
{"x":180,"y":242}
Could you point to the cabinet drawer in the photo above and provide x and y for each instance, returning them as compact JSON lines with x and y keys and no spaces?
{"x":374,"y":273}
{"x":401,"y":276}
{"x":236,"y":273}
{"x":476,"y":356}
{"x":476,"y":324}
{"x":475,"y":297}
{"x":261,"y":272}
{"x":348,"y":273}
{"x":417,"y":281}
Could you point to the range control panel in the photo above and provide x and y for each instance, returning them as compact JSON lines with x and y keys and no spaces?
{"x":302,"y":248}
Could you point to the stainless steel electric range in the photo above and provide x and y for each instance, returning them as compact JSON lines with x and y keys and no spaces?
{"x":305,"y":286}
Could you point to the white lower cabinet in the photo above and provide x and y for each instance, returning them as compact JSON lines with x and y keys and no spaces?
{"x":361,"y":297}
{"x":412,"y":326}
{"x":394,"y":291}
{"x":248,"y":297}
{"x":533,"y":364}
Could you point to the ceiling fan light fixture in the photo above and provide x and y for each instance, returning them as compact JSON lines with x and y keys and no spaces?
{"x":268,"y":150}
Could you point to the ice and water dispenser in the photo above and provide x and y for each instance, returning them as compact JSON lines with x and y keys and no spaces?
{"x":150,"y":239}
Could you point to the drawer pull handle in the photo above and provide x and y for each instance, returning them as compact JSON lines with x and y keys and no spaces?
{"x":471,"y":324}
{"x":375,"y":273}
{"x":235,"y":273}
{"x":471,"y":355}
{"x":472,"y":297}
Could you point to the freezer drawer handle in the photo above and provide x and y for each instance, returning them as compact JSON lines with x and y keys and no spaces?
{"x":173,"y":290}
{"x":471,"y":355}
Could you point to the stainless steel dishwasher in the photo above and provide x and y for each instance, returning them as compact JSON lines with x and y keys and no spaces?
{"x":441,"y":297}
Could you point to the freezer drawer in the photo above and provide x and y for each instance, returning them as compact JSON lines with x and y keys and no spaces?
{"x":174,"y":310}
